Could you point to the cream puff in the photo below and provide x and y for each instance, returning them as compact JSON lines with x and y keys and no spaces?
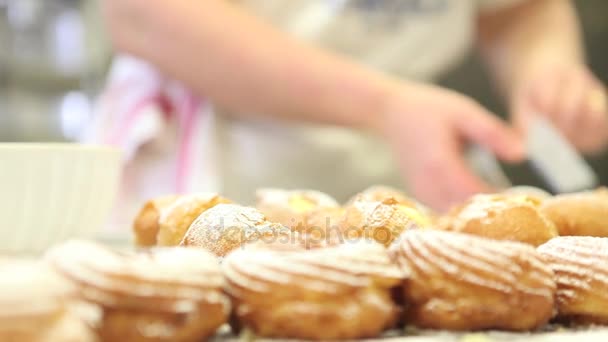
{"x":502,"y":217}
{"x":155,"y":295}
{"x":33,"y":301}
{"x":381,"y":221}
{"x":228,"y":226}
{"x":464,"y":282}
{"x":291,"y":207}
{"x":146,"y":223}
{"x":584,"y":213}
{"x":580,"y":264}
{"x":339,"y":292}
{"x":177,"y":218}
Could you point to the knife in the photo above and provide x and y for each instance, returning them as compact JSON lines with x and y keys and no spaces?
{"x":556,"y":160}
{"x":551,"y":156}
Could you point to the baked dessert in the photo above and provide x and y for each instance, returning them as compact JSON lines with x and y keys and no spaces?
{"x":340,"y":292}
{"x":584,"y":213}
{"x":502,"y":217}
{"x":381,"y":221}
{"x":379,"y":193}
{"x":537,"y":194}
{"x":464,"y":282}
{"x":580,"y":264}
{"x":228,"y":226}
{"x":291,"y":207}
{"x":146,"y":224}
{"x":32,"y":301}
{"x":322,"y":227}
{"x":177,"y":218}
{"x":172,"y":294}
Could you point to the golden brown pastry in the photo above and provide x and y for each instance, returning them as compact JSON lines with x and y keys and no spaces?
{"x":340,"y":292}
{"x":584,"y":213}
{"x":381,"y":221}
{"x":380,"y":193}
{"x":228,"y":226}
{"x":580,"y":264}
{"x":32,"y":301}
{"x":177,"y":218}
{"x":156,"y":295}
{"x":323,"y":219}
{"x":146,"y":224}
{"x":535,"y":193}
{"x":290,"y":207}
{"x":464,"y":282}
{"x":502,"y":217}
{"x":322,"y":227}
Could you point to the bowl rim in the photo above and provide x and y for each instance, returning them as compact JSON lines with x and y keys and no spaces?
{"x":61,"y":146}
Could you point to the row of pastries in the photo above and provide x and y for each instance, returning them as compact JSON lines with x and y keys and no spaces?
{"x":300,"y":265}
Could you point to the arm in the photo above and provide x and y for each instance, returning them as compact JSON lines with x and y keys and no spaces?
{"x":535,"y":53}
{"x":534,"y":34}
{"x":245,"y":65}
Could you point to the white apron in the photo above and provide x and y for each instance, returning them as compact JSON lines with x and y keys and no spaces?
{"x":198,"y":148}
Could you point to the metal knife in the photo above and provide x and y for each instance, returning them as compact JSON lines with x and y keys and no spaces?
{"x":551,"y":156}
{"x":556,"y":160}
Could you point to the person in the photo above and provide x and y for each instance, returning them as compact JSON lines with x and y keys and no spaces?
{"x":337,"y":95}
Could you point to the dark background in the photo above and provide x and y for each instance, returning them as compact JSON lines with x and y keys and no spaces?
{"x":594,"y":17}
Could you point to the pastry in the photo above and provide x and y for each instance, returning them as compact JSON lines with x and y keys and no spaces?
{"x":146,"y":225}
{"x":322,"y":227}
{"x":464,"y":282}
{"x":379,"y":193}
{"x":381,"y":221}
{"x":340,"y":292}
{"x":538,"y":194}
{"x":290,"y":207}
{"x":228,"y":226}
{"x":177,"y":218}
{"x":584,"y":213}
{"x":32,"y":301}
{"x":580,"y":264}
{"x":502,"y":217}
{"x":155,"y":295}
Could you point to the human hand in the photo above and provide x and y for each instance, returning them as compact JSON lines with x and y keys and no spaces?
{"x":572,"y":98}
{"x":428,"y":128}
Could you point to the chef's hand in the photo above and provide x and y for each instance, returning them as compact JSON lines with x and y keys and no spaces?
{"x":428,"y":128}
{"x":571,"y":97}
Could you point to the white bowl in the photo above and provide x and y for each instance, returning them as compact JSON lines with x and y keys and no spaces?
{"x":52,"y":192}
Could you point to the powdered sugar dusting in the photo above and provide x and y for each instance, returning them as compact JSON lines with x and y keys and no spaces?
{"x":480,"y":262}
{"x":175,"y":273}
{"x":281,"y":197}
{"x":479,"y":206}
{"x":227,"y":226}
{"x":323,"y":270}
{"x":580,"y":264}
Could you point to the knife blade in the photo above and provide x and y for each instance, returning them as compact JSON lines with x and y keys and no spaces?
{"x":559,"y":164}
{"x":484,"y":162}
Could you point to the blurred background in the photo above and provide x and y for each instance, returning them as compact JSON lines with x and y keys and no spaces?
{"x":469,"y":79}
{"x":53,"y":61}
{"x":54,"y":57}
